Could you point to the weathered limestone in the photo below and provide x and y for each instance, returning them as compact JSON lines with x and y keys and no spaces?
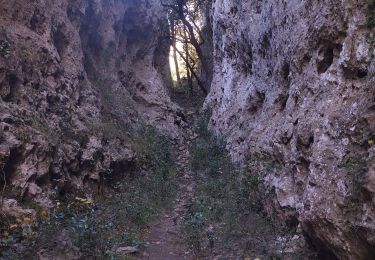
{"x":76,"y":78}
{"x":295,"y":80}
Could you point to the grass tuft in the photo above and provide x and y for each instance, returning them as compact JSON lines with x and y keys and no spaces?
{"x":92,"y":229}
{"x":226,"y":213}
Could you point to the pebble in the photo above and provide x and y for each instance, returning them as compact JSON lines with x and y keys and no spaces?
{"x":127,"y":250}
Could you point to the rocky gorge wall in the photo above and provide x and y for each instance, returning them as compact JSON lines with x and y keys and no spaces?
{"x":294,"y":81}
{"x":78,"y":78}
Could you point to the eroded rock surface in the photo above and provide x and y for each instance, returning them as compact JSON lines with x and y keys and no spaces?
{"x":294,"y":80}
{"x":77,"y":77}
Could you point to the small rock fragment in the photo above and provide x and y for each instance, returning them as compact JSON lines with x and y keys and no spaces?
{"x":127,"y":250}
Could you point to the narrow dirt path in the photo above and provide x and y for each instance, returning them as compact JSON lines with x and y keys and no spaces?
{"x":166,"y":237}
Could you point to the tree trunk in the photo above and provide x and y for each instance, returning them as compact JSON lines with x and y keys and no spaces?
{"x":188,"y":65}
{"x":178,"y":8}
{"x":195,"y":43}
{"x":173,"y":33}
{"x":200,"y":83}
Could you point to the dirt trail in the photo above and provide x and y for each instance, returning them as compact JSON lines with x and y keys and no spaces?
{"x":166,"y":237}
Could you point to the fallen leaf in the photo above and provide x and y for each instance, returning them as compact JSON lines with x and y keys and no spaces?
{"x":27,"y":220}
{"x":43,"y":214}
{"x":83,"y":200}
{"x":80,"y":199}
{"x":13,"y":226}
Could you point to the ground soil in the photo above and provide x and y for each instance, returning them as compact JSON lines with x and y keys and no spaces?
{"x":166,"y":240}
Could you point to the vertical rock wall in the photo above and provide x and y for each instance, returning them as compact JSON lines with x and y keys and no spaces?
{"x":294,"y":80}
{"x":77,"y":78}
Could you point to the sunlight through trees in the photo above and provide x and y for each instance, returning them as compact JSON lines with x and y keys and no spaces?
{"x":186,"y":57}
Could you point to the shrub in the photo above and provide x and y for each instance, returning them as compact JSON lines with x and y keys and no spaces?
{"x":116,"y":218}
{"x":371,"y":14}
{"x":355,"y":164}
{"x":227,"y":211}
{"x":4,"y":48}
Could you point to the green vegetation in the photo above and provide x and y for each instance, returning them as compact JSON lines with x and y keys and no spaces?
{"x":226,"y":213}
{"x":115,"y":113}
{"x":371,"y":26}
{"x":371,"y":14}
{"x":117,"y":218}
{"x":4,"y":48}
{"x":356,"y":167}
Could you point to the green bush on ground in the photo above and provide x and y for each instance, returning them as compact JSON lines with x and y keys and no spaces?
{"x":117,"y":218}
{"x":226,"y":212}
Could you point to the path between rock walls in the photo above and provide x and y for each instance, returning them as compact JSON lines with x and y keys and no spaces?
{"x":166,"y":237}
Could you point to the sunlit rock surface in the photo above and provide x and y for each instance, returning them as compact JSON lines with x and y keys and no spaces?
{"x":295,"y":80}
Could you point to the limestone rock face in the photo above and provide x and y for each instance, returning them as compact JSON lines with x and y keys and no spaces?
{"x":294,"y":80}
{"x":76,"y":78}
